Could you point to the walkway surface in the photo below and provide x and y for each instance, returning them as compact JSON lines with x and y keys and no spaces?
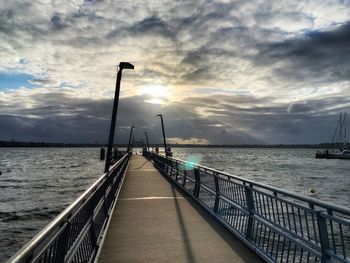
{"x":153,"y":221}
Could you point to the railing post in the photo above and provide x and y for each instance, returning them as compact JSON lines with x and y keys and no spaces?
{"x":166,"y":166}
{"x":185,"y":178}
{"x":197,"y":182}
{"x":171,"y":169}
{"x":324,"y":240}
{"x":62,"y":244}
{"x":251,"y":209}
{"x":177,"y":171}
{"x":217,"y":191}
{"x":161,"y":163}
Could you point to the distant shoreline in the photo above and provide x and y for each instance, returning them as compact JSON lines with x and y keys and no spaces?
{"x":15,"y":144}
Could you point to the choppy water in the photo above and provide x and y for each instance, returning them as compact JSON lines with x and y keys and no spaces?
{"x":37,"y":184}
{"x":293,"y":169}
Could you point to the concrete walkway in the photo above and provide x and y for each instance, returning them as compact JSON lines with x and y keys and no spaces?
{"x":155,"y":222}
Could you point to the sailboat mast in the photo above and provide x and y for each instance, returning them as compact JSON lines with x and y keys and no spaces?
{"x":345,"y":135}
{"x":341,"y":130}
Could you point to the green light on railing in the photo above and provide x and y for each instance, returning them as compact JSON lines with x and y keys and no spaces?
{"x":191,"y":162}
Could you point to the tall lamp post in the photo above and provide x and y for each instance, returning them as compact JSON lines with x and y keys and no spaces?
{"x":165,"y":148}
{"x":147,"y":141}
{"x":132,"y":127}
{"x":122,"y":65}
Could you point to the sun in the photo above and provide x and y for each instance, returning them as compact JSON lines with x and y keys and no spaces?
{"x":158,"y":91}
{"x":157,"y":94}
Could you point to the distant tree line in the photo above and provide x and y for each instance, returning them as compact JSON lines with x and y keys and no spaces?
{"x":46,"y":144}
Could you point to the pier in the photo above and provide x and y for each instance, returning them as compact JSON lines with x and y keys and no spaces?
{"x":154,"y":221}
{"x":158,"y":209}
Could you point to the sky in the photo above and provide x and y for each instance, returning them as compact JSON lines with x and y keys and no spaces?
{"x":220,"y":72}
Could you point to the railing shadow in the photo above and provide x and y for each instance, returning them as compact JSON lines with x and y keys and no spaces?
{"x":142,"y":165}
{"x":184,"y":232}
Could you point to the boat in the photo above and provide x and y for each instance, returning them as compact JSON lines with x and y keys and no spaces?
{"x":326,"y":154}
{"x":339,"y":140}
{"x":346,"y":152}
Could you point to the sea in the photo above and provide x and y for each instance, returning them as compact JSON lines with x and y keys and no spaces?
{"x":36,"y":184}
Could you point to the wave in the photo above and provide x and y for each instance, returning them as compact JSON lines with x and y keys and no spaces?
{"x":30,"y":214}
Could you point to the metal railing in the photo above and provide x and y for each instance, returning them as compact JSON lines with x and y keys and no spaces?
{"x":75,"y":234}
{"x":278,"y":225}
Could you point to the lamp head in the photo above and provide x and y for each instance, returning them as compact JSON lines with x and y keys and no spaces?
{"x":126,"y":65}
{"x":159,"y":115}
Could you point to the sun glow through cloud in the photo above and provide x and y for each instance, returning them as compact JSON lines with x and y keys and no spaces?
{"x":155,"y":91}
{"x":157,"y":94}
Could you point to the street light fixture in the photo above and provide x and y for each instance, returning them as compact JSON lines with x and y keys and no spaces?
{"x":147,"y":141}
{"x":126,"y":65}
{"x":165,"y":148}
{"x":122,"y":65}
{"x":132,"y":127}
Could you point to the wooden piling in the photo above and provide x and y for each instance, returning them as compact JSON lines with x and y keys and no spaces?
{"x":102,"y":153}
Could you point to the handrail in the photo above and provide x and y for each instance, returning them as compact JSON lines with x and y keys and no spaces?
{"x":29,"y":249}
{"x":324,"y":204}
{"x":279,"y":225}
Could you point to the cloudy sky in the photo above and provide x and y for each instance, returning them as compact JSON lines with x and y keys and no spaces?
{"x":232,"y":72}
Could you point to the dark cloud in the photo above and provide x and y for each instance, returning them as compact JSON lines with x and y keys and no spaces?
{"x":226,"y":119}
{"x":150,"y":26}
{"x":7,"y":22}
{"x":42,"y":81}
{"x":317,"y":56}
{"x":153,"y":25}
{"x":299,"y":107}
{"x":62,"y":119}
{"x":57,"y":22}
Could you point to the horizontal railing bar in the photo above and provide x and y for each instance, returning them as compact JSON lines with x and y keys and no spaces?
{"x":335,"y":218}
{"x":233,"y":203}
{"x":208,"y":189}
{"x":337,"y":256}
{"x":190,"y":178}
{"x":26,"y":251}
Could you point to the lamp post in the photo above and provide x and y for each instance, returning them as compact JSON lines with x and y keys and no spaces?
{"x":147,"y":141}
{"x":122,"y":65}
{"x":132,"y":127}
{"x":165,"y":148}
